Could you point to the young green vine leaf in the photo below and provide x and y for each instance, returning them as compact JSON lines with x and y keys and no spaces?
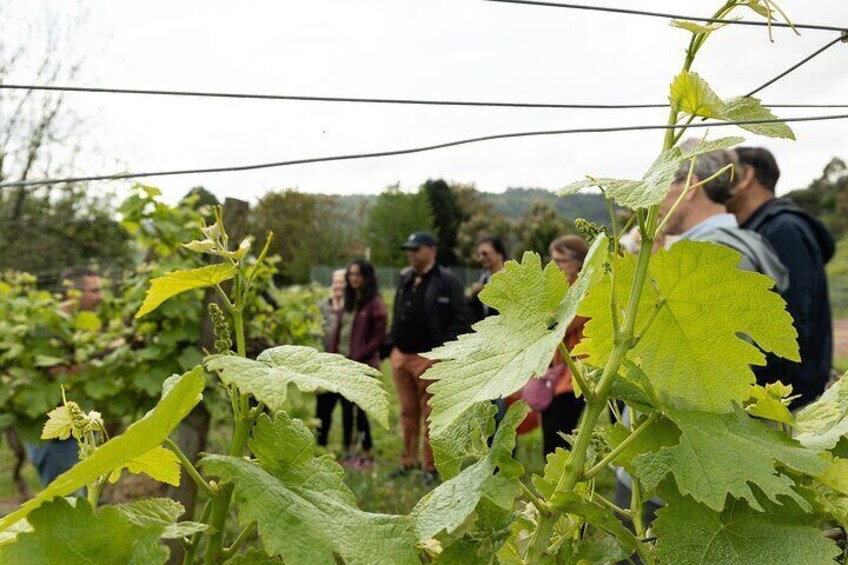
{"x":159,"y":464}
{"x":267,"y":378}
{"x":139,"y":438}
{"x":160,"y":511}
{"x":653,"y":186}
{"x":505,"y":351}
{"x":177,"y":282}
{"x":692,"y":352}
{"x":821,"y":424}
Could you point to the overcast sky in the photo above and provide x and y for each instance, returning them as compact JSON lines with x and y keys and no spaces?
{"x":441,"y":49}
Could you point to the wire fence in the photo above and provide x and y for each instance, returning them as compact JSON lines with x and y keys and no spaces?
{"x":387,"y":277}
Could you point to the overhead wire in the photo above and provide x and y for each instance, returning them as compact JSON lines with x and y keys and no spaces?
{"x":355,"y":100}
{"x":632,"y":12}
{"x":121,"y":176}
{"x":807,"y":59}
{"x":421,"y":149}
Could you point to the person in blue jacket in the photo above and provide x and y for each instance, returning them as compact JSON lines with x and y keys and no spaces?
{"x":804,"y":245}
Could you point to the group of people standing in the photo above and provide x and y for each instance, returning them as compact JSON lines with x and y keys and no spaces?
{"x":740,"y":210}
{"x":430,"y":308}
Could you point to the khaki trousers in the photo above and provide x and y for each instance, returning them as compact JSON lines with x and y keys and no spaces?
{"x":413,"y":396}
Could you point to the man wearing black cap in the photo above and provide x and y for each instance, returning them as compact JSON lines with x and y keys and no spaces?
{"x":429,"y":310}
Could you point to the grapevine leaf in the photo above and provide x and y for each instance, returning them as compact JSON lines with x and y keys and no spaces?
{"x":303,"y":511}
{"x":654,"y":185}
{"x":177,"y":282}
{"x":835,"y":475}
{"x":692,"y":352}
{"x":88,"y":321}
{"x":447,"y":506}
{"x":706,"y":462}
{"x":767,"y":403}
{"x":297,"y":465}
{"x":139,"y":438}
{"x":689,"y":532}
{"x":663,"y":433}
{"x":159,"y":464}
{"x":267,"y":378}
{"x":821,"y":424}
{"x":160,"y":511}
{"x":253,"y":557}
{"x":536,"y":306}
{"x":554,"y":469}
{"x":745,"y":108}
{"x":595,"y":515}
{"x":696,"y":27}
{"x":62,"y":533}
{"x":759,"y":8}
{"x":465,"y":440}
{"x":691,"y":94}
{"x":58,"y":424}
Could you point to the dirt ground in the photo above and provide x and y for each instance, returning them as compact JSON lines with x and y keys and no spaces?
{"x":840,"y":341}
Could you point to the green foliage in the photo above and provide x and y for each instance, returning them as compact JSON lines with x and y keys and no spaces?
{"x":63,"y":532}
{"x":672,"y":335}
{"x":505,"y":351}
{"x":653,"y":187}
{"x":539,"y":226}
{"x":447,"y":217}
{"x":314,"y":231}
{"x":177,"y":282}
{"x":449,"y":504}
{"x":690,"y":94}
{"x":704,"y":333}
{"x":160,"y":511}
{"x":268,"y":377}
{"x":821,"y":424}
{"x":712,"y":444}
{"x":689,"y":532}
{"x":179,"y":397}
{"x":394,"y":215}
{"x":44,"y":346}
{"x":303,"y":510}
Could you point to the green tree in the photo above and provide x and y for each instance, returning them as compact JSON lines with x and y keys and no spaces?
{"x":308,"y":230}
{"x":479,"y":219}
{"x":827,"y":197}
{"x":394,"y":215}
{"x":539,"y":226}
{"x":447,"y":217}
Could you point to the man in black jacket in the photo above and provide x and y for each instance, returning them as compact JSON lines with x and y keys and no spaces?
{"x":429,"y":310}
{"x":804,"y":246}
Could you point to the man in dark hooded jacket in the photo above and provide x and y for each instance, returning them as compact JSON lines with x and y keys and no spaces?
{"x":804,"y":246}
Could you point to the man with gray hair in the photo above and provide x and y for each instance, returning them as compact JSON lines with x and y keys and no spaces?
{"x":702,"y":215}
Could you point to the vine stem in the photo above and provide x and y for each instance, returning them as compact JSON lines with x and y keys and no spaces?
{"x":192,"y":471}
{"x":243,"y":425}
{"x":191,"y":550}
{"x":242,"y":537}
{"x":595,"y":406}
{"x":576,"y":373}
{"x":634,"y":435}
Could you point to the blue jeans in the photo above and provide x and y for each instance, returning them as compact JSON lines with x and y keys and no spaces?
{"x":52,"y":458}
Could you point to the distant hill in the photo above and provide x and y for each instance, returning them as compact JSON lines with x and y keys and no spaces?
{"x":512,"y":203}
{"x":515,"y":201}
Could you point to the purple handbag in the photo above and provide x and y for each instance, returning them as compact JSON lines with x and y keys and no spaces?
{"x":539,"y":393}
